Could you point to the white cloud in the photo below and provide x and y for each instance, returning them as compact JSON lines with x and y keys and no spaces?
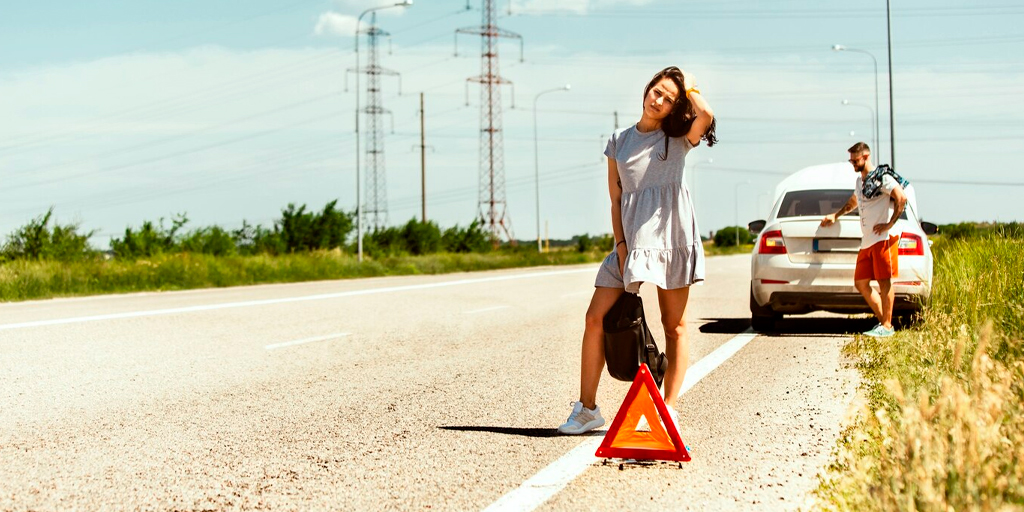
{"x":335,"y":24}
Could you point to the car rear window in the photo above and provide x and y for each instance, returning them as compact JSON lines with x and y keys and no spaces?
{"x":816,"y":203}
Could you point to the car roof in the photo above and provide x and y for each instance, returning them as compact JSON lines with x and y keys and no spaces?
{"x":838,"y":175}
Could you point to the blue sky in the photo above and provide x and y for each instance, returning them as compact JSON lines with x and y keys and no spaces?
{"x":120,"y":112}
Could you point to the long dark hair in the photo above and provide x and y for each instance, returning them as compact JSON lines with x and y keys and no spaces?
{"x":682,"y":115}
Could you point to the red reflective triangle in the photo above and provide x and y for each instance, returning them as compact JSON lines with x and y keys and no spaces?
{"x":661,"y":443}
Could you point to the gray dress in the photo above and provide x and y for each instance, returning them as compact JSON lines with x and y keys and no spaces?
{"x":658,"y":220}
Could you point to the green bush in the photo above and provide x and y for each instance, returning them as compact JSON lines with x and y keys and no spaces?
{"x":149,"y":240}
{"x":299,"y":230}
{"x":587,"y":243}
{"x":37,"y":240}
{"x":213,"y":240}
{"x":726,"y":237}
{"x":471,"y":239}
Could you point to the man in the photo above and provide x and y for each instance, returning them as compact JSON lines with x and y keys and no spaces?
{"x":877,"y":258}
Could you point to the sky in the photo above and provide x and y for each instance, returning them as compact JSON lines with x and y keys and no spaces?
{"x":115,"y":112}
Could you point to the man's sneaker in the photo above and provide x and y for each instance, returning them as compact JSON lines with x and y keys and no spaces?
{"x":582,"y":419}
{"x":880,"y":331}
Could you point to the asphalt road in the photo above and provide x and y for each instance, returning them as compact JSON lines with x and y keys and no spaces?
{"x":424,"y":392}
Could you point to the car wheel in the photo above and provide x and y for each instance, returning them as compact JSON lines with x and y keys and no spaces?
{"x":762,"y":318}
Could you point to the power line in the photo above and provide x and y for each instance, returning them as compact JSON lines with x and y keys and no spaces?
{"x":206,"y":147}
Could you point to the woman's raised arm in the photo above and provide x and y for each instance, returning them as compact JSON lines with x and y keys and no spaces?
{"x":704,"y":113}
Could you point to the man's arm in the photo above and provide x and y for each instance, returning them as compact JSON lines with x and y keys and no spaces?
{"x":900,"y":198}
{"x":847,"y":208}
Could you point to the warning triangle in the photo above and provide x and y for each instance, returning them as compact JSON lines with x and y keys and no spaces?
{"x":623,"y":440}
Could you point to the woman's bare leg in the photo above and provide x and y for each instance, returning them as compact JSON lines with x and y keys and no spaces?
{"x":593,"y":343}
{"x":677,"y":344}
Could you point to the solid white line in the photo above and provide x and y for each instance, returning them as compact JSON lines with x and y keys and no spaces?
{"x":272,"y":346}
{"x":209,"y":307}
{"x":552,"y":479}
{"x":494,"y":308}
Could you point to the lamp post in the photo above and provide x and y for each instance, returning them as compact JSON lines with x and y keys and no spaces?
{"x":536,"y":158}
{"x":359,"y":200}
{"x":737,"y":199}
{"x":693,"y":190}
{"x":892,"y":119}
{"x":874,"y":134}
{"x":841,"y":48}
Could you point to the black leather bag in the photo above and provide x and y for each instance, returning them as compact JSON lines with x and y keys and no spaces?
{"x":628,"y":341}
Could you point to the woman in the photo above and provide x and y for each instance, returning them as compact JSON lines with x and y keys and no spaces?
{"x":656,"y":235}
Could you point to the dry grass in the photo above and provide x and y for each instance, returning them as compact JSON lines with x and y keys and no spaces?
{"x":943,"y":424}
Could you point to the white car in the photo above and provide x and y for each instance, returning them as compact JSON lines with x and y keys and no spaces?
{"x":798,"y":266}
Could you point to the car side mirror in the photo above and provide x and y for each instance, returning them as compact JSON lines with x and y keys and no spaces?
{"x":929,"y":228}
{"x":756,"y":226}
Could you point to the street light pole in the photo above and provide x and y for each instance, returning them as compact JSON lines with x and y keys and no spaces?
{"x":874,"y":134}
{"x":841,"y":48}
{"x":737,"y":199}
{"x":892,"y":120}
{"x":359,"y":200}
{"x":536,"y":158}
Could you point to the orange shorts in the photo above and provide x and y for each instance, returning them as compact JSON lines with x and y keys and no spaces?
{"x":880,"y":261}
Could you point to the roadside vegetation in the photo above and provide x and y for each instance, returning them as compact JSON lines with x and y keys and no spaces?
{"x":46,"y":259}
{"x":941,"y":425}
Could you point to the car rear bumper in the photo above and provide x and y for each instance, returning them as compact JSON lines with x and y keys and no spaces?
{"x":805,"y":302}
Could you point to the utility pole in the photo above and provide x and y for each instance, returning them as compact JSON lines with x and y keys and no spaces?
{"x":491,"y":199}
{"x":423,"y":161}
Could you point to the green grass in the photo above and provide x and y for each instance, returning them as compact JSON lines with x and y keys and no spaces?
{"x":25,"y":280}
{"x":29,"y":279}
{"x":710,"y":249}
{"x":941,"y":425}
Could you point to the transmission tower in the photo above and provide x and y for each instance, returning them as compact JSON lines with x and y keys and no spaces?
{"x":376,"y":202}
{"x":492,"y":205}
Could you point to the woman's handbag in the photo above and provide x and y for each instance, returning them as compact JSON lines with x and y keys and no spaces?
{"x":628,"y":341}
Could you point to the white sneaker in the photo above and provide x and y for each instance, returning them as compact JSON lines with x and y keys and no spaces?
{"x":675,"y":417}
{"x":582,"y":419}
{"x":642,"y":425}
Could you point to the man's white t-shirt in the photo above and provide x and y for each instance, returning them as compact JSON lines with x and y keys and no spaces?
{"x":877,"y":210}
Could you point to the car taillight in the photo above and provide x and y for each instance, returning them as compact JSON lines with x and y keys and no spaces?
{"x":772,"y":243}
{"x":911,"y":245}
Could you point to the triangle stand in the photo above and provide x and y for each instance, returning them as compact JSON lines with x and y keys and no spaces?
{"x":623,"y":440}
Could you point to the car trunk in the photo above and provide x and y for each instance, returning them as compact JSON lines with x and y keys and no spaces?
{"x":808,"y":242}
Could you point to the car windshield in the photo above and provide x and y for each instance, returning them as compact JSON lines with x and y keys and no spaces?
{"x":816,"y":203}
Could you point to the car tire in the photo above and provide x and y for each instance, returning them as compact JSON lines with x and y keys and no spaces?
{"x":762,"y":318}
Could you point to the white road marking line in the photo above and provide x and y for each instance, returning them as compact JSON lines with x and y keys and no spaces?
{"x":273,"y":346}
{"x":494,"y":308}
{"x":552,"y":479}
{"x":323,"y":296}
